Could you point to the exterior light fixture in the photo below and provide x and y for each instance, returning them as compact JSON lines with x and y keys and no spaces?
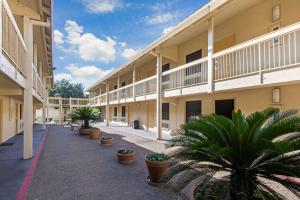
{"x":276,"y":13}
{"x":276,"y":95}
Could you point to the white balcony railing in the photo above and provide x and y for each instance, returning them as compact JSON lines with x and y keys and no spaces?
{"x":13,"y":45}
{"x":271,"y":51}
{"x":37,"y":82}
{"x":190,"y":74}
{"x":126,"y":92}
{"x":146,"y":86}
{"x":113,"y":95}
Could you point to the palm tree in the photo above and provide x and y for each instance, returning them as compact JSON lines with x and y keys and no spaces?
{"x":236,"y":159}
{"x":86,"y":114}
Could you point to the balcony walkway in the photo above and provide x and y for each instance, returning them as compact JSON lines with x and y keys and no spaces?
{"x":12,"y":166}
{"x":75,"y":167}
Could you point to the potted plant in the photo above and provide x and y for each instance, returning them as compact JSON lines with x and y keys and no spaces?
{"x":86,"y":114}
{"x":125,"y":156}
{"x":158,"y":164}
{"x":244,"y":150}
{"x":107,"y":141}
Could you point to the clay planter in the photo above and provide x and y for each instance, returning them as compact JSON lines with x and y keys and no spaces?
{"x":157,"y":170}
{"x":106,"y":141}
{"x":94,"y":133}
{"x":84,"y":131}
{"x":125,"y":158}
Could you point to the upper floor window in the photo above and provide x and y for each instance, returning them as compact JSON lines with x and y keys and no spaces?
{"x":193,"y":57}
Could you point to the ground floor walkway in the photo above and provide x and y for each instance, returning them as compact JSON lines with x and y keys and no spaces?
{"x":75,"y":167}
{"x":13,"y":168}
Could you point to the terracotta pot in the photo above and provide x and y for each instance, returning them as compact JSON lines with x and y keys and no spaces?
{"x":84,"y":131}
{"x":94,"y":133}
{"x":125,"y":158}
{"x":106,"y":141}
{"x":157,"y":170}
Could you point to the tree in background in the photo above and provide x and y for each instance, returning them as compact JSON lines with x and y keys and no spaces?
{"x":66,"y":89}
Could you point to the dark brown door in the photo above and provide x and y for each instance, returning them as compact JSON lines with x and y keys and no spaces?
{"x":224,"y":107}
{"x":193,"y":110}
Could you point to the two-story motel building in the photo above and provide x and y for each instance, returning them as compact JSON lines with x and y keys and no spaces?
{"x":230,"y":54}
{"x":26,"y":70}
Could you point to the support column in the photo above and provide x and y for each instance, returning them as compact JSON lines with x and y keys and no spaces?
{"x":28,"y":99}
{"x":45,"y":100}
{"x":35,"y":60}
{"x":158,"y":100}
{"x":107,"y":105}
{"x":210,"y":65}
{"x":118,"y":85}
{"x":133,"y":82}
{"x":60,"y":110}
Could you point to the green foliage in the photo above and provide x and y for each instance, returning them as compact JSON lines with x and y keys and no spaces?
{"x":66,"y":89}
{"x":86,"y":114}
{"x":241,"y":151}
{"x":157,"y":157}
{"x":125,"y":151}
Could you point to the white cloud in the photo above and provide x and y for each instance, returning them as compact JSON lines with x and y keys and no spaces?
{"x":88,"y":46}
{"x":123,"y":44}
{"x":85,"y":75}
{"x":159,"y":18}
{"x":168,"y":29}
{"x":61,"y":58}
{"x":128,"y":53}
{"x":101,"y":6}
{"x":58,"y":37}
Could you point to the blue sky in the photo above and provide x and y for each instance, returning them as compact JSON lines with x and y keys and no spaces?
{"x":94,"y":36}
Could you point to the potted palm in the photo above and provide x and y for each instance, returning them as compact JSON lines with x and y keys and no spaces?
{"x":157,"y":164}
{"x":125,"y":156}
{"x":238,"y":158}
{"x":86,"y":114}
{"x":106,"y":141}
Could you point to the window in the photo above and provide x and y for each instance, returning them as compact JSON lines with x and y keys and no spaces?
{"x":165,"y":111}
{"x":123,"y":111}
{"x":116,"y":87}
{"x":194,"y":56}
{"x":115,"y":111}
{"x":193,"y":110}
{"x":224,"y":107}
{"x":165,"y":68}
{"x":123,"y":84}
{"x":21,"y":111}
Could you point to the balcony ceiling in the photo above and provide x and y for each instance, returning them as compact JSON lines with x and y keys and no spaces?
{"x":222,"y":14}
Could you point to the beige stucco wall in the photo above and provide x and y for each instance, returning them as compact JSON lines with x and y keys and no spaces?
{"x":246,"y":100}
{"x":9,"y":114}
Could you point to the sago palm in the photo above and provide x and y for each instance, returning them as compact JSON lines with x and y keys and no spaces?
{"x":86,"y":114}
{"x":236,"y":159}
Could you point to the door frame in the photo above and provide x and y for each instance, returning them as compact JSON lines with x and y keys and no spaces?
{"x":185,"y":107}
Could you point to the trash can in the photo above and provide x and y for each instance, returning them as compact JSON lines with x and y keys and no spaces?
{"x":135,"y":124}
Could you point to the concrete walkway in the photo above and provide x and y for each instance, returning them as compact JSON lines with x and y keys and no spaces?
{"x":12,"y":166}
{"x":75,"y":167}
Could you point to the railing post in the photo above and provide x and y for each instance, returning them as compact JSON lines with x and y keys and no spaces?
{"x":107,"y":105}
{"x":210,"y":51}
{"x":259,"y":65}
{"x":133,"y":82}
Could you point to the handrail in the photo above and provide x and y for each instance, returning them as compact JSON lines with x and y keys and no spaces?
{"x":13,"y":21}
{"x":145,"y":80}
{"x":185,"y":66}
{"x":259,"y":39}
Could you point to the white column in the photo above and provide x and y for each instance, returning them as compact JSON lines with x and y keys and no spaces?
{"x":119,"y":92}
{"x":158,"y":100}
{"x":45,"y":100}
{"x":133,"y":82}
{"x":107,"y":105}
{"x":28,"y":99}
{"x":210,"y":51}
{"x":35,"y":59}
{"x":60,"y":110}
